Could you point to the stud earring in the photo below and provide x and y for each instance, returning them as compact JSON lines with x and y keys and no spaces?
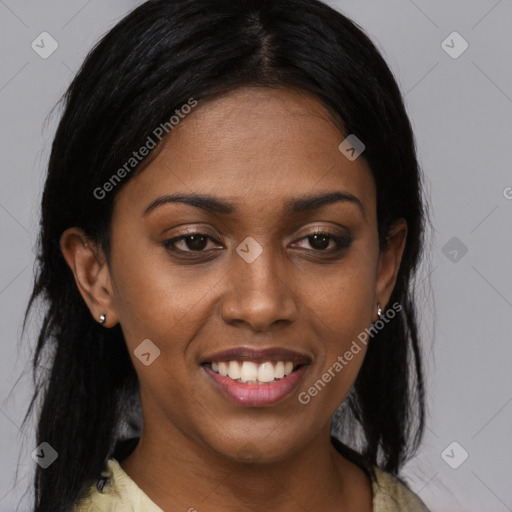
{"x":103,"y":318}
{"x":379,"y":312}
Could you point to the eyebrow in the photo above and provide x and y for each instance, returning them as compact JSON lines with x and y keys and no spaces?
{"x":300,"y":204}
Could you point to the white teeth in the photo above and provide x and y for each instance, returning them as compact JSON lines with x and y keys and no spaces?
{"x":248,"y":372}
{"x":223,"y":369}
{"x":253,"y":373}
{"x":279,"y":370}
{"x":266,"y":372}
{"x":234,"y":370}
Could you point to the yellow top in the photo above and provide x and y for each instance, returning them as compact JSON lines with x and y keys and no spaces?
{"x":121,"y":494}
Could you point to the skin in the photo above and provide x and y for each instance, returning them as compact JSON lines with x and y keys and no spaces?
{"x":257,"y":148}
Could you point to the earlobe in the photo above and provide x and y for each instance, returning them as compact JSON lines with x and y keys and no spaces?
{"x":389,"y":261}
{"x":92,"y":276}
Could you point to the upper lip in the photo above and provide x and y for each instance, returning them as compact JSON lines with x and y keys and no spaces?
{"x":258,"y":355}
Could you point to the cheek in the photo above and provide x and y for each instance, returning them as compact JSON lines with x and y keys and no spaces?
{"x":342,"y":313}
{"x":154,"y":300}
{"x":344,"y":304}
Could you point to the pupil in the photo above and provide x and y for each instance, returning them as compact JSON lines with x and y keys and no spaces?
{"x":196,"y":242}
{"x":319,"y":241}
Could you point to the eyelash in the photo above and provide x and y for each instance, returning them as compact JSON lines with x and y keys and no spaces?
{"x":342,"y":242}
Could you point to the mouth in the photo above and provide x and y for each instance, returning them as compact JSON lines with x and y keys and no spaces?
{"x":256,"y":378}
{"x":251,"y":372}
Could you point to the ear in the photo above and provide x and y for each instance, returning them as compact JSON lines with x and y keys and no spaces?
{"x":88,"y":263}
{"x":389,"y":262}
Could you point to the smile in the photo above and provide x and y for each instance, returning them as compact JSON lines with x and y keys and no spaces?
{"x":256,"y":378}
{"x":254,"y":373}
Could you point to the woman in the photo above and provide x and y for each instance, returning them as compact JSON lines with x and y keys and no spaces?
{"x":231,"y":222}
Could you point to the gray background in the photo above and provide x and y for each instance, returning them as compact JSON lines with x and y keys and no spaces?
{"x":460,"y":109}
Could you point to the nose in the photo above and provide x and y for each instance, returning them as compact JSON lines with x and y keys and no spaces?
{"x":259,"y":294}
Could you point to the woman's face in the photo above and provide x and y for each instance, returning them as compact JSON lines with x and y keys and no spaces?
{"x":252,"y":278}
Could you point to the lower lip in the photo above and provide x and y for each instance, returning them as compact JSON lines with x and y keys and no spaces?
{"x":256,"y":395}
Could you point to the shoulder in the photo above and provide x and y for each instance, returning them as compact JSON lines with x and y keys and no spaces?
{"x":391,"y":494}
{"x":115,"y":491}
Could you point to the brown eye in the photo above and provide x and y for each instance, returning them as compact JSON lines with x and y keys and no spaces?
{"x":196,"y":242}
{"x":320,"y":241}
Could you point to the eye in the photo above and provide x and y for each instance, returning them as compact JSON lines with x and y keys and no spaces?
{"x":191,"y":242}
{"x":195,"y":242}
{"x":321,"y":240}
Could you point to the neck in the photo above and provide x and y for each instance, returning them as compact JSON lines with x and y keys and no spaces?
{"x":179,"y":474}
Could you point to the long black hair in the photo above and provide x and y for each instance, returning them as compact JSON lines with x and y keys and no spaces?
{"x":145,"y":68}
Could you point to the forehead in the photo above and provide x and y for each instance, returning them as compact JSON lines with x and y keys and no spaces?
{"x":256,"y":146}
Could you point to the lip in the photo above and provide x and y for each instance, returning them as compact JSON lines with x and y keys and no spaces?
{"x":256,"y":395}
{"x":258,"y":355}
